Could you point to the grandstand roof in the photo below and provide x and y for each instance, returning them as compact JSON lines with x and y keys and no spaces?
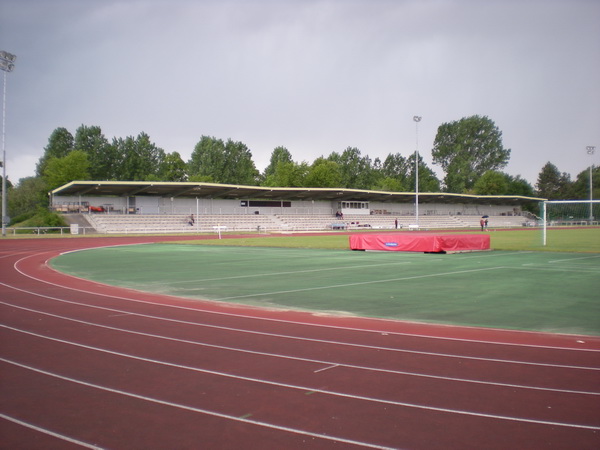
{"x":233,"y":192}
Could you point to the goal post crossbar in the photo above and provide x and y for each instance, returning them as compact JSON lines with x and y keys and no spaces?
{"x":571,"y":201}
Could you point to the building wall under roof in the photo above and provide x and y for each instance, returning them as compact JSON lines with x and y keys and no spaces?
{"x":174,"y":205}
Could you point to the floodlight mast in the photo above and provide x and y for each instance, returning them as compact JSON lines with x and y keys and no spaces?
{"x":590,"y":151}
{"x":6,"y":65}
{"x":417,"y":119}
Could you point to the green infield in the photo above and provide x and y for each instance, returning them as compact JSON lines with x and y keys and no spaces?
{"x":524,"y":290}
{"x":525,"y":239}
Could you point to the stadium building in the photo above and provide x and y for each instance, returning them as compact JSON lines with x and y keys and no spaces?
{"x":139,"y":206}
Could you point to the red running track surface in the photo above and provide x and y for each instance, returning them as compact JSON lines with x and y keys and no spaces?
{"x":94,"y":366}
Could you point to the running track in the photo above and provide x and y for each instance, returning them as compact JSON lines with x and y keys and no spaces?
{"x":85,"y":365}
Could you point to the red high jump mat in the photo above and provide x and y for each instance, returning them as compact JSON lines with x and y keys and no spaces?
{"x":420,"y":242}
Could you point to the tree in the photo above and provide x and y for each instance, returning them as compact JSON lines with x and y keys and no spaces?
{"x":27,"y":196}
{"x":499,"y":183}
{"x":356,"y":170}
{"x":580,"y":188}
{"x":173,"y":168}
{"x":102,"y":156}
{"x":8,"y":183}
{"x":279,"y":155}
{"x":389,"y":184}
{"x":59,"y":171}
{"x":551,"y":184}
{"x":139,"y":158}
{"x":218,"y":162}
{"x":392,"y":175}
{"x":60,"y":143}
{"x":428,"y":181}
{"x":206,"y":159}
{"x":395,"y":166}
{"x":323,"y":173}
{"x":491,"y":183}
{"x":239,"y":168}
{"x":519,"y":186}
{"x":466,"y":149}
{"x":288,"y":174}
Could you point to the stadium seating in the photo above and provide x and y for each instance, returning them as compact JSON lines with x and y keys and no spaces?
{"x":179,"y":223}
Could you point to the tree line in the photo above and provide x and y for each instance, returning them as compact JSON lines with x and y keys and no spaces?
{"x":469,"y":151}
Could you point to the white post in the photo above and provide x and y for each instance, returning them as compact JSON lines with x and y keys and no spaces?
{"x":544,"y":223}
{"x":590,"y":151}
{"x":417,"y":119}
{"x":6,"y":65}
{"x":197,"y":214}
{"x":4,"y":157}
{"x":591,"y":195}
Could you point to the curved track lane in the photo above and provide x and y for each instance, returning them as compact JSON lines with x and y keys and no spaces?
{"x":94,"y":366}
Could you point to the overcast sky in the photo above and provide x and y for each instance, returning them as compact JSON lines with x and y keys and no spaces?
{"x":315,"y":76}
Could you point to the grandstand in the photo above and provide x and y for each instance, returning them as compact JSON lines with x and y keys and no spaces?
{"x":144,"y":207}
{"x":179,"y":223}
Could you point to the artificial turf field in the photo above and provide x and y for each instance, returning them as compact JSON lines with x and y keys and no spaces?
{"x":523,"y":290}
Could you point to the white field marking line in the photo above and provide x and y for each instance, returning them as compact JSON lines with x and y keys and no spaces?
{"x":421,"y":257}
{"x":294,"y":272}
{"x":568,"y":266}
{"x":573,"y":259}
{"x":51,"y":433}
{"x":316,"y":361}
{"x":361,"y":283}
{"x":575,"y":266}
{"x":268,"y":319}
{"x":293,"y":386}
{"x":559,"y":269}
{"x":308,"y":271}
{"x":200,"y":410}
{"x":492,"y":254}
{"x":104,"y":246}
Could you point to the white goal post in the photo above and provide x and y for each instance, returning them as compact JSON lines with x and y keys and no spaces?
{"x":557,"y":213}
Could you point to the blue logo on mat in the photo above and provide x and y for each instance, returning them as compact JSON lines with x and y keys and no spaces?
{"x":391,"y":244}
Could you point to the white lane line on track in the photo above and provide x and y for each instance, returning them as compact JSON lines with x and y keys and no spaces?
{"x":268,"y":319}
{"x":12,"y":254}
{"x":305,"y":339}
{"x":327,"y":368}
{"x":309,"y":360}
{"x":194,"y":409}
{"x":288,"y":386}
{"x":49,"y":432}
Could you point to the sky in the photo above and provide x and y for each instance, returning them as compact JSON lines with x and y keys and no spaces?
{"x":314,"y":76}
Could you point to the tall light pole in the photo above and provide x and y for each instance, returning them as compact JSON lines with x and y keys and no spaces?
{"x":590,"y":151}
{"x":7,"y":61}
{"x":417,"y":119}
